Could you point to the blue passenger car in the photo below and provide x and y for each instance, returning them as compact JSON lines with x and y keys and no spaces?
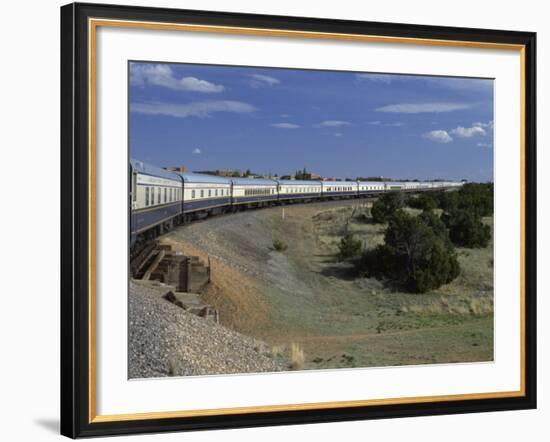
{"x":156,"y":199}
{"x":205,"y":193}
{"x":299,"y":190}
{"x":253,"y":191}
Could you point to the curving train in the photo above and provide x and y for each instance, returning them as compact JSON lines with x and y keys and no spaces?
{"x":161,"y":199}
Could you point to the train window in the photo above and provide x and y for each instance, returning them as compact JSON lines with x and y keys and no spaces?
{"x":202,"y":193}
{"x":146,"y":196}
{"x":165,"y":192}
{"x":209,"y":192}
{"x":216,"y":192}
{"x":193,"y":194}
{"x":170,"y":194}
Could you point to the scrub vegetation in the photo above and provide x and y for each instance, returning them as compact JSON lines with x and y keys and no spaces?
{"x":312,"y":296}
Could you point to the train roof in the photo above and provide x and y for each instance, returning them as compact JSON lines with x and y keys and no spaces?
{"x":252,"y":181}
{"x":339,"y":183}
{"x":371,"y":183}
{"x":148,"y":169}
{"x":203,"y":178}
{"x":299,"y":182}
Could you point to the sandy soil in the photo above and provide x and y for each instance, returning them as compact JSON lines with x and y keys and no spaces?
{"x":304,"y":295}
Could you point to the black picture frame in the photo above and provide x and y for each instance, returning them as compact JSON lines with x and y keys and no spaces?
{"x":75,"y":221}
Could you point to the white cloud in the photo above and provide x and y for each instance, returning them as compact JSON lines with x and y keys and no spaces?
{"x":379,"y":123}
{"x":196,"y":151}
{"x":439,"y":136}
{"x":455,"y":83}
{"x":199,"y":109}
{"x":468,"y":132}
{"x":379,"y":78}
{"x":284,"y":115}
{"x":338,"y":134}
{"x":333,"y":123}
{"x":258,"y":80}
{"x":416,"y":108}
{"x":163,"y":75}
{"x":488,"y":125}
{"x":285,"y":125}
{"x":489,"y":145}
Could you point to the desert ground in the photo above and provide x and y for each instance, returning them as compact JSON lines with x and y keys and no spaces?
{"x":307,"y":298}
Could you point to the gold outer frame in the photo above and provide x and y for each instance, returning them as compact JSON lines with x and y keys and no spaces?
{"x":93,"y":24}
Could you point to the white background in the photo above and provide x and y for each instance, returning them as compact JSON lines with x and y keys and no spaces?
{"x":29,"y":311}
{"x":117,"y":395}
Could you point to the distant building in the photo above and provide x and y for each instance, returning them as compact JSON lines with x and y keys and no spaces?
{"x":315,"y":176}
{"x":221,"y":172}
{"x":287,"y":177}
{"x":181,"y":169}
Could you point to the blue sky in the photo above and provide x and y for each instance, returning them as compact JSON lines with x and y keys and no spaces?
{"x":338,"y":124}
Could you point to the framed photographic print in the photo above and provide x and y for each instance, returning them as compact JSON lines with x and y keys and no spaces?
{"x":275,"y":220}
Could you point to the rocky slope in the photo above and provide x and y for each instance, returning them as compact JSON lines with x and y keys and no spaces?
{"x":165,"y":340}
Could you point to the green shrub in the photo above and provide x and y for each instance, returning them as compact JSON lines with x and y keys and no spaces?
{"x":436,"y":224}
{"x":279,"y":246}
{"x":422,"y":202}
{"x":386,"y":206}
{"x":475,"y":197}
{"x":417,"y":254}
{"x":466,"y":229}
{"x":446,"y":200}
{"x":349,"y":246}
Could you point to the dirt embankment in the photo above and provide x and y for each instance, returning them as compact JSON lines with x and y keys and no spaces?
{"x":306,"y":296}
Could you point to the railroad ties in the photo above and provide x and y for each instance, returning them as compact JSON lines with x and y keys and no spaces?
{"x":184,"y":277}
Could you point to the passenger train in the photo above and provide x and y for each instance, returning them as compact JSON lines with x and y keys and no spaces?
{"x":161,"y":199}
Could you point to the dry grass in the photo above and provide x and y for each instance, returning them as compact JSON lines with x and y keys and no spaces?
{"x":277,"y":351}
{"x":297,"y":357}
{"x":468,"y":305}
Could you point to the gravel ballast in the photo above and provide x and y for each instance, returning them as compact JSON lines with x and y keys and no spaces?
{"x":165,"y":340}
